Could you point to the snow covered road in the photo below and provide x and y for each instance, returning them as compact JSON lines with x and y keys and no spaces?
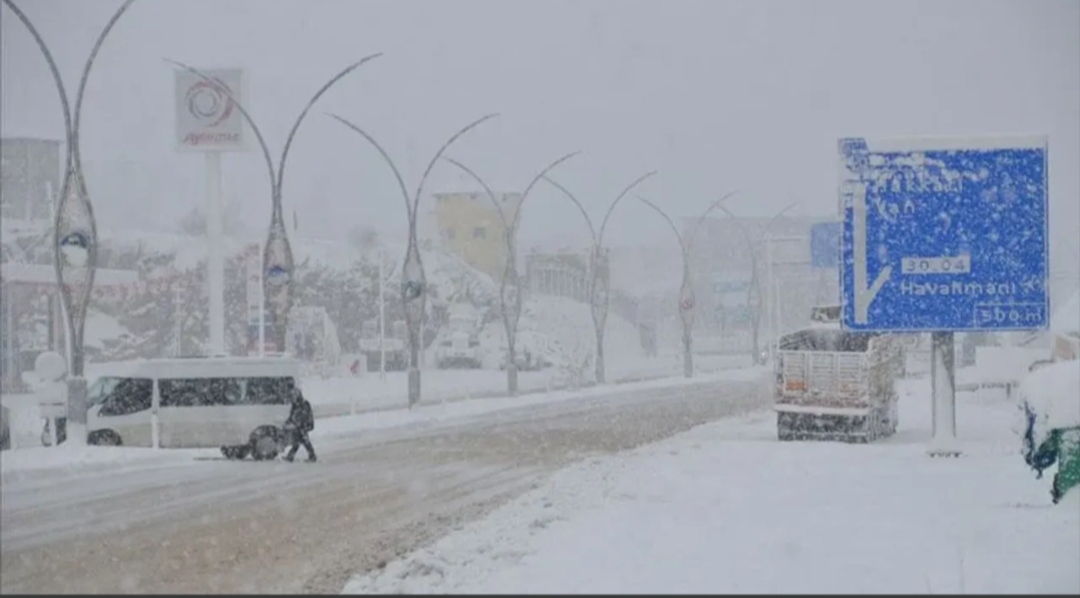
{"x":186,"y":525}
{"x":727,"y":509}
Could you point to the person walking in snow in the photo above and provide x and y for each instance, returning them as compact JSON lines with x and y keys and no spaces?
{"x":301,"y":421}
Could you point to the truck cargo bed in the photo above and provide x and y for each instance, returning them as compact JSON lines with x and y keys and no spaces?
{"x":834,"y":385}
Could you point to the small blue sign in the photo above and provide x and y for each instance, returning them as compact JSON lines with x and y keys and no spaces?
{"x":411,"y":289}
{"x":75,"y":239}
{"x":944,"y":235}
{"x":825,"y":244}
{"x":276,"y":274}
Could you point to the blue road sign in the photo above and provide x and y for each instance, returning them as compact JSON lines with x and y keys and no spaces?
{"x":944,"y":234}
{"x":825,"y":244}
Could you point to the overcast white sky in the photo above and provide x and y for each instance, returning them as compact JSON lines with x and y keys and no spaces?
{"x":715,"y":95}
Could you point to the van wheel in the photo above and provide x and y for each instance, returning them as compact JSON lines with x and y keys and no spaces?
{"x":265,"y":443}
{"x":104,"y":438}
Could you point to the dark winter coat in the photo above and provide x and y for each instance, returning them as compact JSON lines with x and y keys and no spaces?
{"x":300,"y":415}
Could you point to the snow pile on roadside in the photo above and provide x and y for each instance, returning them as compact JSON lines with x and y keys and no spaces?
{"x":722,"y":508}
{"x":561,"y":331}
{"x":77,"y":458}
{"x":1053,"y":393}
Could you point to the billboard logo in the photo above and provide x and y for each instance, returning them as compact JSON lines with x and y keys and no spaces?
{"x":208,"y":103}
{"x":208,"y":113}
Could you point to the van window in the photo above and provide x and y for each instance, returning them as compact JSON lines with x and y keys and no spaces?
{"x":201,"y":392}
{"x":101,"y":389}
{"x":128,"y":395}
{"x":269,"y":391}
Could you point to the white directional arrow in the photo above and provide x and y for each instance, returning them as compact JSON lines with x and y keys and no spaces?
{"x":863,"y":295}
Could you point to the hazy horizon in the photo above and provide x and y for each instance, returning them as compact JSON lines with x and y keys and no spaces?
{"x":716,"y":96}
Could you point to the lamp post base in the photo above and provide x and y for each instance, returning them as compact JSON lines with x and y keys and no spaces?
{"x":414,"y":386}
{"x":512,"y":379}
{"x":76,"y":415}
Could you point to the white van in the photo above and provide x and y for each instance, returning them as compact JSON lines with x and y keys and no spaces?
{"x":237,"y":403}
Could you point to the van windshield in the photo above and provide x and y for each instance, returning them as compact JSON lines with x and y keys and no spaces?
{"x":100,"y":389}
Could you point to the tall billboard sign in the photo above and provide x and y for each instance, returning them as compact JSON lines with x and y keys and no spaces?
{"x":207,"y":119}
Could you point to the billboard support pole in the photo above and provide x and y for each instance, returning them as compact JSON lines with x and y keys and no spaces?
{"x":277,"y":260}
{"x":924,"y":215}
{"x":943,"y":395}
{"x":215,"y":261}
{"x":262,"y":307}
{"x":382,"y":316}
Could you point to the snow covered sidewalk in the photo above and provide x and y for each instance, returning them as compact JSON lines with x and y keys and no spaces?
{"x":726,"y":508}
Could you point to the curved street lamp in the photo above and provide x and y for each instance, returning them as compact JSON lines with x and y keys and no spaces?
{"x":755,"y":278}
{"x":277,"y":262}
{"x":75,"y":248}
{"x":510,"y":295}
{"x":599,"y":289}
{"x":686,"y":291}
{"x":413,"y":279}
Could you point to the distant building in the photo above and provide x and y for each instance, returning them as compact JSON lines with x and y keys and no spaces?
{"x":470,"y":227}
{"x":29,"y":177}
{"x":562,"y":273}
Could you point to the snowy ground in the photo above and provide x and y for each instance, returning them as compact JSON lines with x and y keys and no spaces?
{"x":370,"y":392}
{"x":727,"y":508}
{"x":424,"y":416}
{"x":211,"y":525}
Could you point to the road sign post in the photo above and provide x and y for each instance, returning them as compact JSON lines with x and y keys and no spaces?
{"x":943,"y":235}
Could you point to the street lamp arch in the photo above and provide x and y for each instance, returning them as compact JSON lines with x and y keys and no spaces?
{"x":435,"y":159}
{"x":277,"y":174}
{"x":755,"y":277}
{"x":57,"y":79}
{"x":577,"y":203}
{"x":75,"y":247}
{"x":86,"y":76}
{"x":311,"y":103}
{"x":277,"y":251}
{"x":611,"y":208}
{"x":686,"y":291}
{"x":414,"y":280}
{"x":511,"y":320}
{"x":599,"y":299}
{"x":386,"y":158}
{"x":220,"y":86}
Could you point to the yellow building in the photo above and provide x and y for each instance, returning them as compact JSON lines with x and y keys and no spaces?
{"x":470,"y":228}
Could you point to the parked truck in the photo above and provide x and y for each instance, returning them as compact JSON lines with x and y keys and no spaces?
{"x":832,"y":384}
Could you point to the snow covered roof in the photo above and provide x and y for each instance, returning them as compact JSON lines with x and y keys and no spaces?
{"x":1066,"y":319}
